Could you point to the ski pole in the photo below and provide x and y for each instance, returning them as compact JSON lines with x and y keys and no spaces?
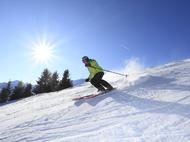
{"x":111,"y":71}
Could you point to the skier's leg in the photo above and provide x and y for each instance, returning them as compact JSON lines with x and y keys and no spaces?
{"x":106,"y":84}
{"x":95,"y":81}
{"x":97,"y":85}
{"x":103,"y":82}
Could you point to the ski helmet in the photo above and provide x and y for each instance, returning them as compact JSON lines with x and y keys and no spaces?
{"x":85,"y":58}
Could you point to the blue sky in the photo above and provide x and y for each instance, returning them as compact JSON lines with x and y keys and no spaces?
{"x":110,"y":31}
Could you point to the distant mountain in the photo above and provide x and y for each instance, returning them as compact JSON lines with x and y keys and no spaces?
{"x":78,"y":82}
{"x":13,"y":84}
{"x":3,"y":85}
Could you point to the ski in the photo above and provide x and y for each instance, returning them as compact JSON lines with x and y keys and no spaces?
{"x":92,"y":95}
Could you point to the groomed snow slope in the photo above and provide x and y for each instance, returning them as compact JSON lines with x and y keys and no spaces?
{"x":153,"y":108}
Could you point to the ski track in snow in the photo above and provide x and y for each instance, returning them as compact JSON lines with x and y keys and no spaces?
{"x":153,"y":108}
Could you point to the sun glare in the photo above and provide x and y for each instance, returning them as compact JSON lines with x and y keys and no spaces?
{"x":43,"y":51}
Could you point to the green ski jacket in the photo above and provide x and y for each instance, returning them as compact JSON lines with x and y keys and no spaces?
{"x":93,"y":68}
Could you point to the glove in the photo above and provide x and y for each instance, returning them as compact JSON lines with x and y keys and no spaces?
{"x":87,"y":80}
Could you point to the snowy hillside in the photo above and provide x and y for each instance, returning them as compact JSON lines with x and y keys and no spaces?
{"x":153,"y":106}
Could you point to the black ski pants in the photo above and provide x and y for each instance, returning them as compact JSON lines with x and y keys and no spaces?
{"x":99,"y":83}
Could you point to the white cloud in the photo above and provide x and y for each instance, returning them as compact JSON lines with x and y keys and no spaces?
{"x":126,"y":48}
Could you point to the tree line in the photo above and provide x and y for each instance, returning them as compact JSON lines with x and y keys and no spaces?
{"x":47,"y":82}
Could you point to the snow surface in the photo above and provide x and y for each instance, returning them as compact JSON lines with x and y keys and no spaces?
{"x":153,"y":106}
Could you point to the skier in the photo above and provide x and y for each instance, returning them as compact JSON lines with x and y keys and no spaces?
{"x":96,"y":74}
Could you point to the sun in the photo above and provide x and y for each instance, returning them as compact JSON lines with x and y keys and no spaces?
{"x":43,"y":51}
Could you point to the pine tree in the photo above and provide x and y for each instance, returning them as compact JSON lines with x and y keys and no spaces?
{"x":9,"y":87}
{"x":27,"y":91}
{"x":18,"y":91}
{"x":66,"y":81}
{"x":5,"y":92}
{"x":54,"y":81}
{"x":44,"y":82}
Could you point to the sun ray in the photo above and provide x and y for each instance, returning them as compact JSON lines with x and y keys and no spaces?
{"x":43,"y":51}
